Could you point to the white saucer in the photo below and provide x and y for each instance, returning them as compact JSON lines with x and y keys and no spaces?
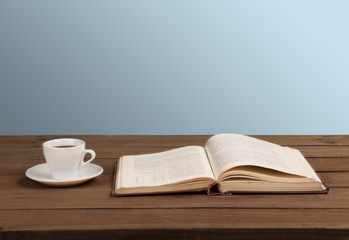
{"x":41,"y":173}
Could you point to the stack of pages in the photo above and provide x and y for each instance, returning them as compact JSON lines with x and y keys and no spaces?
{"x":229,"y":163}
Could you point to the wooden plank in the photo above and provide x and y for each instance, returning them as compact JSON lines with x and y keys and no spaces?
{"x":101,"y":199}
{"x":329,"y":164}
{"x":335,"y":179}
{"x":27,"y":194}
{"x":324,"y":151}
{"x":136,"y":219}
{"x":171,"y":141}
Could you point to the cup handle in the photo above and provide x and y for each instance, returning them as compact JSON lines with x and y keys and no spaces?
{"x":84,"y":152}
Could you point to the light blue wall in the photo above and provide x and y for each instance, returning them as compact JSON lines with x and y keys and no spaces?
{"x":174,"y":67}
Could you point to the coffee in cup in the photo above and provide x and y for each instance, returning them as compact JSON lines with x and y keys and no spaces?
{"x":64,"y":156}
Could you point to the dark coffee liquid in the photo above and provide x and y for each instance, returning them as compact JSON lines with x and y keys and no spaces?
{"x":64,"y":146}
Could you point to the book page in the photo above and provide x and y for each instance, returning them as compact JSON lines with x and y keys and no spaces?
{"x":165,"y":167}
{"x":231,"y":150}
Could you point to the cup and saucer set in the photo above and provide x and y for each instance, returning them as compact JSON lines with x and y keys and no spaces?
{"x":65,"y":164}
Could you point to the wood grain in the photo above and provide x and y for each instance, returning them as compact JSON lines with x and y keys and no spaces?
{"x":81,"y":197}
{"x":29,"y":210}
{"x":128,"y":219}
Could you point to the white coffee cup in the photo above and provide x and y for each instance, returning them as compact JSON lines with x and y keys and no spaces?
{"x":64,"y":156}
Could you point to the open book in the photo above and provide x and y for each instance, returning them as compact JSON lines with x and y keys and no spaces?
{"x":228,"y":163}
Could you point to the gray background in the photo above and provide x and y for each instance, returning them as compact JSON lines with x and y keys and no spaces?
{"x":174,"y":67}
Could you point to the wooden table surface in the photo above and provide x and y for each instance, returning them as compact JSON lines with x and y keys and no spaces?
{"x":29,"y":210}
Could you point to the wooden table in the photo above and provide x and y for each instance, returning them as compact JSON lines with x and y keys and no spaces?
{"x":29,"y":210}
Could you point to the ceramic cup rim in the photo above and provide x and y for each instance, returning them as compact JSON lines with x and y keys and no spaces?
{"x":54,"y":143}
